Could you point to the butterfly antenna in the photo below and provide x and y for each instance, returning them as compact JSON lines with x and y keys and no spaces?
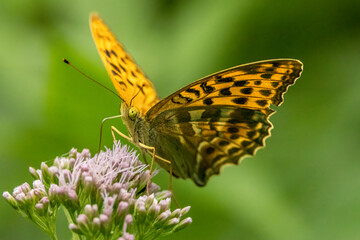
{"x":134,"y":97}
{"x":67,"y":62}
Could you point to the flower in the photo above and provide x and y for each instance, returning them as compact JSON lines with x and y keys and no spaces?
{"x":104,"y":196}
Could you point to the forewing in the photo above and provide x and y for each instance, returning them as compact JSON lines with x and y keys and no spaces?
{"x":129,"y":81}
{"x":251,"y":86}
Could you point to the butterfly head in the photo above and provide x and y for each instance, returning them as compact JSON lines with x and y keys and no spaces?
{"x":133,"y":113}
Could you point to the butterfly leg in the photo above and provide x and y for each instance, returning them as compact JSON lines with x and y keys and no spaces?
{"x":101,"y":128}
{"x":115,"y":130}
{"x":152,"y":149}
{"x":143,"y":146}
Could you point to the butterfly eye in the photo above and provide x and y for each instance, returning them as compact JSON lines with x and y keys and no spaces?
{"x":133,"y":112}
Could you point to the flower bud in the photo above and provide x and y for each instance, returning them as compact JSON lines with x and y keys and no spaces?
{"x":163,"y":194}
{"x":128,"y":219}
{"x":34,"y":173}
{"x":45,"y":172}
{"x":105,"y":223}
{"x":66,"y":174}
{"x":162,"y":217}
{"x":172,"y":223}
{"x":89,"y":185}
{"x":17,"y":190}
{"x":74,"y":228}
{"x":73,"y":202}
{"x":108,"y":206}
{"x":85,"y":153}
{"x":38,"y":184}
{"x":11,"y":200}
{"x":121,"y":211}
{"x":53,"y":197}
{"x":53,"y":174}
{"x":71,"y":163}
{"x":153,"y":211}
{"x":127,"y":236}
{"x":83,"y":223}
{"x":124,"y":195}
{"x":176,"y":213}
{"x":184,"y":223}
{"x":153,"y":188}
{"x":25,"y":187}
{"x":21,"y":200}
{"x":149,"y":201}
{"x":40,"y":209}
{"x":165,"y":204}
{"x":91,"y":211}
{"x":96,"y":223}
{"x":185,"y":210}
{"x":72,"y":153}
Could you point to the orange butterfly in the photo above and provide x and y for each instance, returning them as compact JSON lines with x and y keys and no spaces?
{"x":214,"y":121}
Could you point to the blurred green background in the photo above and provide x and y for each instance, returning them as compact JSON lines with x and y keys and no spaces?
{"x":304,"y":185}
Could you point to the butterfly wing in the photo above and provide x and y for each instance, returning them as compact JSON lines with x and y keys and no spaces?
{"x":127,"y":77}
{"x":221,"y":118}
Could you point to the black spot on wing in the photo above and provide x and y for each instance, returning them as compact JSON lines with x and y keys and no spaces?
{"x":251,"y":134}
{"x":180,"y":99}
{"x":261,"y":103}
{"x":233,"y":150}
{"x":205,"y":88}
{"x":234,"y":136}
{"x":265,"y":92}
{"x":122,"y":84}
{"x":113,"y":53}
{"x":115,"y":67}
{"x":209,"y":150}
{"x":123,"y":68}
{"x":208,"y":101}
{"x":245,"y":143}
{"x":114,"y":73}
{"x":275,"y":84}
{"x":240,"y":83}
{"x":108,"y":54}
{"x":225,"y":92}
{"x":233,"y":130}
{"x":191,"y":90}
{"x":246,"y":91}
{"x":129,"y":82}
{"x":276,"y":64}
{"x":240,"y":100}
{"x":219,"y":79}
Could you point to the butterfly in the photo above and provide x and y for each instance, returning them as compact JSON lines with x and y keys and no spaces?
{"x":214,"y":121}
